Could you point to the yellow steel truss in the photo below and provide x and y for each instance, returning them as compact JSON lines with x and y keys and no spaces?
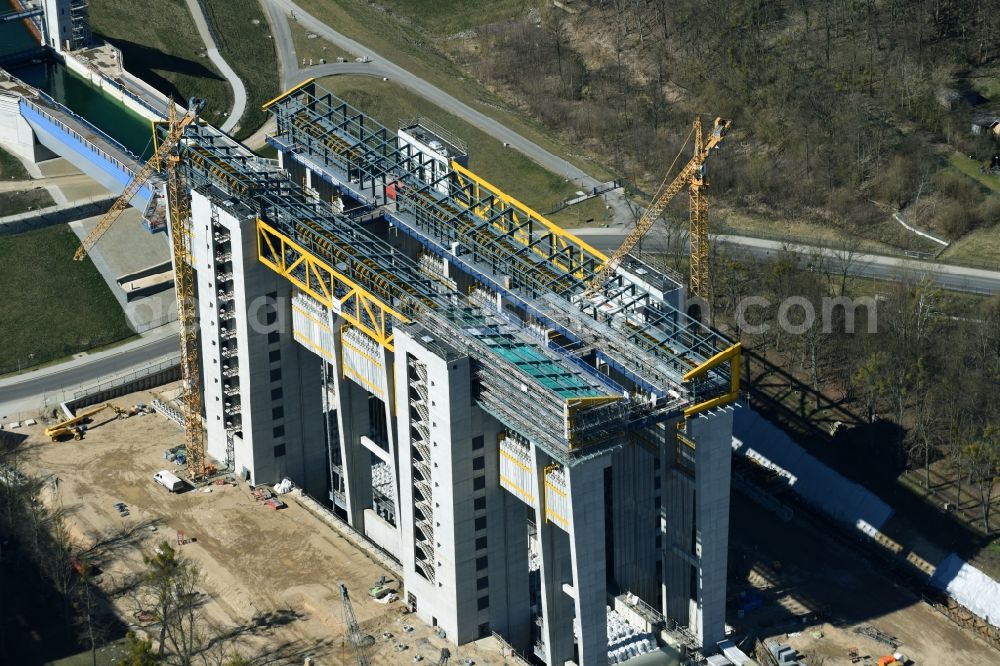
{"x":509,"y":215}
{"x":269,"y":103}
{"x":331,"y":288}
{"x":692,"y":173}
{"x":733,"y":355}
{"x":179,"y":199}
{"x":160,"y":153}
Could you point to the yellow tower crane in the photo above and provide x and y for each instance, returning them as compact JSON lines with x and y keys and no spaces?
{"x":179,"y":205}
{"x":693,"y":175}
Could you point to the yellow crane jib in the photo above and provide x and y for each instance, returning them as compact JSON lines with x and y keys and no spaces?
{"x":174,"y":132}
{"x":692,"y":174}
{"x":179,"y":206}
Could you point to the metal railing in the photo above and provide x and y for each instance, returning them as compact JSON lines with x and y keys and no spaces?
{"x":59,"y":106}
{"x":125,"y":91}
{"x":436,"y":129}
{"x":132,"y":376}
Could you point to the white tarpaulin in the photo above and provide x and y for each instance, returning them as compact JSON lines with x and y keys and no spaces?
{"x":758,"y":439}
{"x":970,"y":587}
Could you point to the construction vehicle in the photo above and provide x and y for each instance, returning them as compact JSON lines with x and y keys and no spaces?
{"x":692,"y":176}
{"x":169,"y":480}
{"x":75,"y":428}
{"x":380,"y":588}
{"x":179,"y":206}
{"x":358,"y":638}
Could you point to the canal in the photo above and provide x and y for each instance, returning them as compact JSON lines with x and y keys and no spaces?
{"x":86,"y":100}
{"x":76,"y":93}
{"x":14,"y":35}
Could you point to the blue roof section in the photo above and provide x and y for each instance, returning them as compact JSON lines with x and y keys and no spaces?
{"x":545,"y":371}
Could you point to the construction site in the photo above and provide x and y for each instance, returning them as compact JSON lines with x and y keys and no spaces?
{"x":414,"y":420}
{"x":538,"y":433}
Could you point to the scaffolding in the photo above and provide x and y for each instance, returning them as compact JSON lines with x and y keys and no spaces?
{"x":509,"y":246}
{"x":553,"y":389}
{"x":531,"y":388}
{"x":80,"y":36}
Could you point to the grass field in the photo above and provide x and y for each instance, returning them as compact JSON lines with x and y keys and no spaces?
{"x":312,"y":50}
{"x":590,"y":213}
{"x":21,"y":201}
{"x":244,"y":39}
{"x":815,"y":232}
{"x":987,"y":86}
{"x":980,"y":248}
{"x":402,"y":41}
{"x":55,"y":307}
{"x":971,"y":169}
{"x":161,"y":46}
{"x":11,"y":168}
{"x":503,"y":167}
{"x":447,"y":17}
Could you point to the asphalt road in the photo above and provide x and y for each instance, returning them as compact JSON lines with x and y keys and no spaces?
{"x":88,"y":369}
{"x":958,"y":278}
{"x":872,"y":266}
{"x":52,"y":380}
{"x":279,"y":10}
{"x":212,"y":50}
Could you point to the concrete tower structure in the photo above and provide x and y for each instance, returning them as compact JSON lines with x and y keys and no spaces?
{"x":399,"y":336}
{"x":67,"y":24}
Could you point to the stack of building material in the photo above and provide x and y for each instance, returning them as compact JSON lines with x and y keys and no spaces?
{"x":625,"y":641}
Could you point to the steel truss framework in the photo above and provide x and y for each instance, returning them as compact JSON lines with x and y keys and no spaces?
{"x":375,"y":288}
{"x":337,"y":261}
{"x":496,"y":232}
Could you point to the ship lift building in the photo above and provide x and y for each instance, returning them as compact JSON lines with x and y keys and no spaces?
{"x":402,"y":338}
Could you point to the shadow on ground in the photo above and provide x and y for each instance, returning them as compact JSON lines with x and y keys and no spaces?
{"x":871,"y":454}
{"x":147,"y":63}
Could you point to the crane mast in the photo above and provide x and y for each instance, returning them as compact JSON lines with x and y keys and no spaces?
{"x":692,"y":175}
{"x":180,"y":240}
{"x":179,"y":206}
{"x":357,"y":637}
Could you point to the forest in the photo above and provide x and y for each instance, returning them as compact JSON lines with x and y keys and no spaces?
{"x":844,"y":110}
{"x":845,"y":113}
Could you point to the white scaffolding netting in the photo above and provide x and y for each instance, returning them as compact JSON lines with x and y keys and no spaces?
{"x":970,"y":587}
{"x":768,"y":445}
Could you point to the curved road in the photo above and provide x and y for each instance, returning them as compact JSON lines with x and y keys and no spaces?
{"x":239,"y":90}
{"x":278,"y":12}
{"x":89,"y":368}
{"x":880,"y":267}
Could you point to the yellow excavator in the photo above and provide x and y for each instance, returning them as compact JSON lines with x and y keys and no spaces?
{"x":74,"y":427}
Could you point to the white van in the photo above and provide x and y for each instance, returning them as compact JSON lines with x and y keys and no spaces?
{"x":168,"y":480}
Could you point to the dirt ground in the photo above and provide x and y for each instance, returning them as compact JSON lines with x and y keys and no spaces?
{"x":270,"y":577}
{"x":802,"y":572}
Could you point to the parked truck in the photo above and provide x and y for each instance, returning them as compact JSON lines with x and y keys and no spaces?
{"x":168,"y":480}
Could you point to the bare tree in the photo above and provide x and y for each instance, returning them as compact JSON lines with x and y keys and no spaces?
{"x":984,"y":466}
{"x":844,"y":258}
{"x":183,"y":620}
{"x":168,"y":593}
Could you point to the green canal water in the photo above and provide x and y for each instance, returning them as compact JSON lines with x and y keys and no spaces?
{"x":86,"y":100}
{"x":73,"y":91}
{"x":14,"y":35}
